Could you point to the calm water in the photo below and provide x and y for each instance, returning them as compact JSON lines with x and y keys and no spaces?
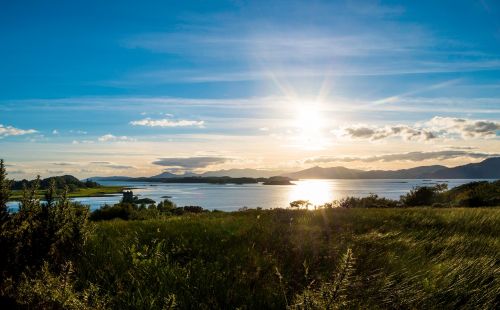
{"x":232,"y":197}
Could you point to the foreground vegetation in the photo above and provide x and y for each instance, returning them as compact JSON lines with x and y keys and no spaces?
{"x":350,"y":254}
{"x":368,"y":258}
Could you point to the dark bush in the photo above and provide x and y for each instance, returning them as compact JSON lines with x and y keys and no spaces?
{"x":423,"y":195}
{"x":371,"y":201}
{"x":122,"y":211}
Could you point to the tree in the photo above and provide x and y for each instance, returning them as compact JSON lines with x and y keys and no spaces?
{"x":4,"y":193}
{"x":51,"y":193}
{"x":423,"y":195}
{"x":300,"y":204}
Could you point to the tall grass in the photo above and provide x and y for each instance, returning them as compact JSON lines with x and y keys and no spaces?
{"x":404,"y":258}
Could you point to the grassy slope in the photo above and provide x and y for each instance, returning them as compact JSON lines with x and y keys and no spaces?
{"x":81,"y":192}
{"x":405,"y":258}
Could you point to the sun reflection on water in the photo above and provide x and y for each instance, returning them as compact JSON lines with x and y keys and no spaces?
{"x":317,"y":192}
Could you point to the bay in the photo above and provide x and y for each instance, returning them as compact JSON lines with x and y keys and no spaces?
{"x":231,"y":197}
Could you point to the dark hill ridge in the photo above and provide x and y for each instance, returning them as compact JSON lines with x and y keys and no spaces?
{"x":60,"y":181}
{"x":487,"y":169}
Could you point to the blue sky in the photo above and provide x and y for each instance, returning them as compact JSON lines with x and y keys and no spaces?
{"x":115,"y":87}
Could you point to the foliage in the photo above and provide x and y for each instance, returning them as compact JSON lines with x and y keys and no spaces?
{"x":133,"y":208}
{"x":40,"y":235}
{"x":371,"y":201}
{"x":475,"y":194}
{"x":300,"y":204}
{"x":38,"y":232}
{"x":5,"y":185}
{"x":423,"y":195}
{"x":48,"y":290}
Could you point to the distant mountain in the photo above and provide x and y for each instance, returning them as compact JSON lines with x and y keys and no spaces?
{"x":165,"y":175}
{"x":412,"y":173}
{"x":233,"y":173}
{"x":488,"y":169}
{"x":326,"y":173}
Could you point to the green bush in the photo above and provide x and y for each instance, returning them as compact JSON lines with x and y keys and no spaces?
{"x":39,"y":239}
{"x":423,"y":195}
{"x":48,"y":290}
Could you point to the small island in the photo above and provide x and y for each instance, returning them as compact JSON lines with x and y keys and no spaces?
{"x":278,"y":181}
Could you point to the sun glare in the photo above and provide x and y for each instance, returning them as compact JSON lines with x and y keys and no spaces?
{"x":310,"y":123}
{"x":317,"y":192}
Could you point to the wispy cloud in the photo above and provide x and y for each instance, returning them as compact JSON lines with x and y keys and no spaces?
{"x":107,"y":164}
{"x":167,"y":123}
{"x":262,"y":49}
{"x":112,"y":138}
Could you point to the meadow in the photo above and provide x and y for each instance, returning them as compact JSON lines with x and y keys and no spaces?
{"x":273,"y":259}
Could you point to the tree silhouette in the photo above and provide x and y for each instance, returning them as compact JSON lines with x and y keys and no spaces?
{"x":4,"y":192}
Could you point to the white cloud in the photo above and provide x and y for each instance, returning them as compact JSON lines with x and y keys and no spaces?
{"x":82,"y":142}
{"x":111,"y":138}
{"x":55,"y":132}
{"x":437,"y":127}
{"x":377,"y":133}
{"x":167,"y":123}
{"x":6,"y":131}
{"x":465,"y":128}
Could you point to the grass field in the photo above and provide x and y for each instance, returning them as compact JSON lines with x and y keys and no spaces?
{"x":402,"y":258}
{"x":81,"y":192}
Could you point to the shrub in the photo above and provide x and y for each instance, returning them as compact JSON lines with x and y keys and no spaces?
{"x":39,"y":239}
{"x":371,"y":201}
{"x":423,"y":195}
{"x":48,"y":290}
{"x":122,"y":211}
{"x":41,"y":232}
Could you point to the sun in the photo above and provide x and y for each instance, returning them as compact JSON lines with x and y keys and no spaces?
{"x":310,"y":124}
